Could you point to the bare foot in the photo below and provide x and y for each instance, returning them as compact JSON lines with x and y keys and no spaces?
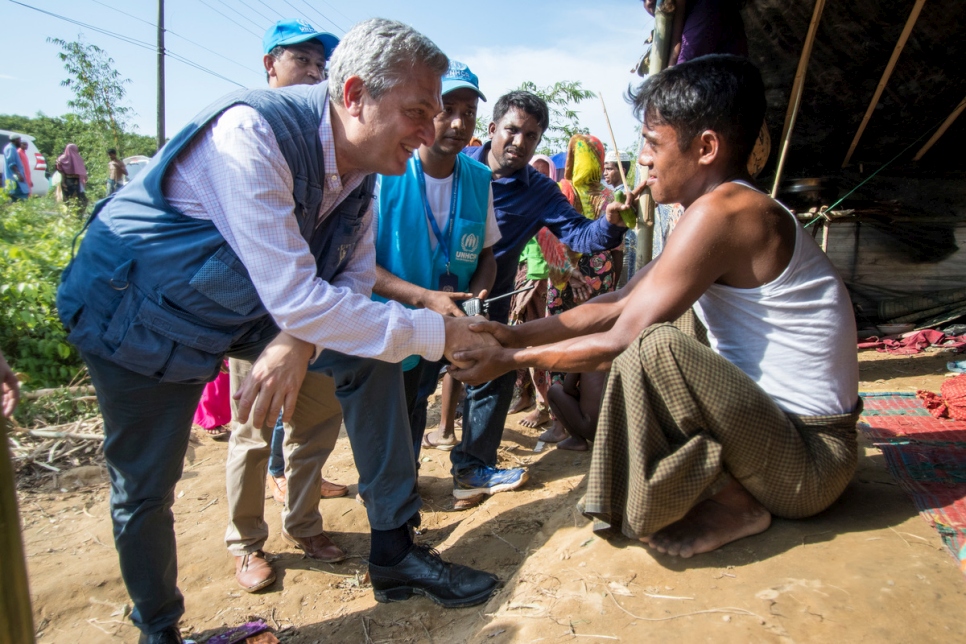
{"x":555,"y":434}
{"x":573,"y":443}
{"x":728,"y":516}
{"x":524,"y":402}
{"x":535,"y":418}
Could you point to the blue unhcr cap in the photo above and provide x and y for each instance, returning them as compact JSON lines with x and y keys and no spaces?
{"x":293,"y":32}
{"x":459,"y":75}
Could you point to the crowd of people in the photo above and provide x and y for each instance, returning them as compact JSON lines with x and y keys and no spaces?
{"x":370,"y":220}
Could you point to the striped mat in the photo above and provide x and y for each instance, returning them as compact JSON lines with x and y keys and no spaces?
{"x":927,"y":456}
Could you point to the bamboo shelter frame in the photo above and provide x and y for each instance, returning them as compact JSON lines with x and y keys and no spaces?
{"x":942,"y":130}
{"x":900,"y":45}
{"x":795,"y":100}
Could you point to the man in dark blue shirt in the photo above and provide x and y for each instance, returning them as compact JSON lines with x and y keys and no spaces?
{"x":525,"y":201}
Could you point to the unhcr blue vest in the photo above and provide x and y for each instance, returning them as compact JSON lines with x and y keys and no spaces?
{"x":402,"y":236}
{"x":163,"y":294}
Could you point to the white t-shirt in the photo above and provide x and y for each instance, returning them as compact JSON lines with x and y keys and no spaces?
{"x":439,"y":193}
{"x":794,"y":336}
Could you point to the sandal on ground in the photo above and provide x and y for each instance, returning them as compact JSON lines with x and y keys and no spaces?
{"x":218,"y":433}
{"x":428,"y":442}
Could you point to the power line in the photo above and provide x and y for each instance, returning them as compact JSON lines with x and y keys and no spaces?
{"x":300,"y":13}
{"x":177,"y":35}
{"x":231,"y":8}
{"x":273,"y":9}
{"x":338,"y":26}
{"x":256,"y":11}
{"x":336,"y":9}
{"x":131,"y":41}
{"x":229,"y":19}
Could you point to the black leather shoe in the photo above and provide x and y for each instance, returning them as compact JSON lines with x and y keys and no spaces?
{"x":423,"y":572}
{"x":170,"y":635}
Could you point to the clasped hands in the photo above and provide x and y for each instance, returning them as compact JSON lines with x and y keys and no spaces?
{"x":477,"y":349}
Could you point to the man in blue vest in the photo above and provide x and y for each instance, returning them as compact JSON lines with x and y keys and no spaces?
{"x":525,"y":201}
{"x":185,"y":266}
{"x":447,"y":195}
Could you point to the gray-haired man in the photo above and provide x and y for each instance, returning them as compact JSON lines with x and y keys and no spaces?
{"x":175,"y":272}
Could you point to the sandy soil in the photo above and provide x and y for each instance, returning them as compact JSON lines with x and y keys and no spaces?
{"x":867,"y":568}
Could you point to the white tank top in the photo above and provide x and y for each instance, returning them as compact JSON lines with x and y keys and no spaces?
{"x":795,"y":336}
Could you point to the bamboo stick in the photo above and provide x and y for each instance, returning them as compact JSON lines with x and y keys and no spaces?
{"x":40,"y":393}
{"x":903,"y":37}
{"x":613,"y":140}
{"x":660,"y":51}
{"x":16,"y":619}
{"x":795,"y":100}
{"x":942,"y":130}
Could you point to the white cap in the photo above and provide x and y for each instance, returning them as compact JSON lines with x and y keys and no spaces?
{"x":613,"y":157}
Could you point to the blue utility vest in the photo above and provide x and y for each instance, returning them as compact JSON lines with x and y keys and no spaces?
{"x":161,"y":293}
{"x":403,"y":233}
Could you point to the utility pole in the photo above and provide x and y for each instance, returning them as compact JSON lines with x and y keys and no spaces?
{"x":161,"y":136}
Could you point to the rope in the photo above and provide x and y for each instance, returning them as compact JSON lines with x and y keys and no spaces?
{"x":881,"y":168}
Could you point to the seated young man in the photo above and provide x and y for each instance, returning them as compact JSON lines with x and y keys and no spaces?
{"x":696,"y":446}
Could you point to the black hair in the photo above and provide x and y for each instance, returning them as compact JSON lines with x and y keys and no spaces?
{"x":111,"y":151}
{"x":527,"y":102}
{"x":719,"y":92}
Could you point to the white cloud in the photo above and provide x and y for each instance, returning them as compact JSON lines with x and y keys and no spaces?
{"x":609,"y":44}
{"x":6,"y":77}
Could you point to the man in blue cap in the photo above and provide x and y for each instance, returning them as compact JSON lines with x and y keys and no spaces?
{"x":295,"y":53}
{"x":435,"y":231}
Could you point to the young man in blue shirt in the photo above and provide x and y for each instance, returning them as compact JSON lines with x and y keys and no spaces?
{"x":525,"y":201}
{"x":435,"y":230}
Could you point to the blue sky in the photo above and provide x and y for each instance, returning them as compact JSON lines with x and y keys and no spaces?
{"x":504,"y":42}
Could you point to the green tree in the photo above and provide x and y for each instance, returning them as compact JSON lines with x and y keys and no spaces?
{"x":562,"y":98}
{"x":98,"y":87}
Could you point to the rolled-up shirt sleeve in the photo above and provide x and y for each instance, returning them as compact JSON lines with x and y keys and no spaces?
{"x":235,"y":175}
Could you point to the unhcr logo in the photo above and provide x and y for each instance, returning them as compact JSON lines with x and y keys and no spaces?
{"x":468,"y":244}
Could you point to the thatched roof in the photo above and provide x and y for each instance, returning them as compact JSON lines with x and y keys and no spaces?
{"x":854,"y":42}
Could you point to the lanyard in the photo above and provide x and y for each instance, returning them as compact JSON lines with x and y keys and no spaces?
{"x":440,"y":238}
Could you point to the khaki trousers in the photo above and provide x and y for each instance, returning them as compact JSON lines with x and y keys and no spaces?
{"x":309,"y":439}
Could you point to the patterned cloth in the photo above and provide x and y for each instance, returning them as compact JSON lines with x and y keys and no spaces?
{"x":678,"y":421}
{"x":583,"y":188}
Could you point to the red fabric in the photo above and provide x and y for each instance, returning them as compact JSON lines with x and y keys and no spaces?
{"x":214,"y":409}
{"x":914,"y":343}
{"x":951,"y":402}
{"x":26,"y":166}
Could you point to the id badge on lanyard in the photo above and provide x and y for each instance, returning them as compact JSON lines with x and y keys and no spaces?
{"x":448,"y":282}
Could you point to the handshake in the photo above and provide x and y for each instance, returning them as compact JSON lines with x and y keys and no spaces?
{"x":475,"y":355}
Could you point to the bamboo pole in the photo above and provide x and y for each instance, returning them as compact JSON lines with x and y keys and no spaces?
{"x":795,"y":100}
{"x":903,"y":37}
{"x":16,"y":619}
{"x":942,"y":130}
{"x":613,"y":140}
{"x":660,"y":50}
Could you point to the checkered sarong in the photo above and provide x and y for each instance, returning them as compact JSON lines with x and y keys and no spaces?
{"x":678,"y":420}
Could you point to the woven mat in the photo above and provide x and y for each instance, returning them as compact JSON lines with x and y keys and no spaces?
{"x":927,"y":456}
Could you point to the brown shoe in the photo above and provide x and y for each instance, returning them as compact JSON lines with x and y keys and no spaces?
{"x":317,"y":547}
{"x":278,"y":485}
{"x":332,"y":490}
{"x":253,"y":572}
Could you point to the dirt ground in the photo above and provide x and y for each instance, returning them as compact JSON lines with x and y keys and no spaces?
{"x":867,"y":568}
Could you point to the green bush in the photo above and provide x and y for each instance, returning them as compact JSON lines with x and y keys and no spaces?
{"x":35,"y":246}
